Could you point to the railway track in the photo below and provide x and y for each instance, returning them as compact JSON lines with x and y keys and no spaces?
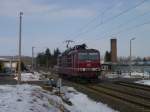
{"x":125,"y":96}
{"x":134,"y":85}
{"x":119,"y":99}
{"x":126,"y":90}
{"x":121,"y":96}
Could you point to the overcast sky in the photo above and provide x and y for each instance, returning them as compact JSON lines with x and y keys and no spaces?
{"x":48,"y":23}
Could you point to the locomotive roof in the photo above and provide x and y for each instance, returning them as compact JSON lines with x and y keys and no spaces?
{"x":78,"y":48}
{"x":70,"y":51}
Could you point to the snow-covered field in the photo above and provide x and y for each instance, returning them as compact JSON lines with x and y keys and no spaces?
{"x":30,"y":76}
{"x":145,"y":82}
{"x":26,"y":98}
{"x":29,"y":98}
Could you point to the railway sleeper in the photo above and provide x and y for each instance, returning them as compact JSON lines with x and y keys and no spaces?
{"x":123,"y":89}
{"x":125,"y":97}
{"x":115,"y":103}
{"x":135,"y":86}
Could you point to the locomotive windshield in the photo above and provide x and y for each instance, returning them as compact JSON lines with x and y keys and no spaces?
{"x":93,"y":56}
{"x":88,"y":56}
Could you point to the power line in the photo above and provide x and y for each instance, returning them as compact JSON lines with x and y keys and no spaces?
{"x":95,"y":18}
{"x":112,"y":18}
{"x":129,"y":29}
{"x":129,"y":21}
{"x":108,"y":20}
{"x":101,"y":14}
{"x":134,"y":27}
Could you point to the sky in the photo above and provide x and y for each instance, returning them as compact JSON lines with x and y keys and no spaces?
{"x":48,"y":23}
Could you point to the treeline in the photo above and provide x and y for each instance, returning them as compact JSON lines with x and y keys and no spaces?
{"x":107,"y":57}
{"x":47,"y":59}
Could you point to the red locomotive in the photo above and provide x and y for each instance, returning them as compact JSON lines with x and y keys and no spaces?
{"x":79,"y":62}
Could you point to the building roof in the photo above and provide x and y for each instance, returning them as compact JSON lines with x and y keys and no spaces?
{"x":7,"y":59}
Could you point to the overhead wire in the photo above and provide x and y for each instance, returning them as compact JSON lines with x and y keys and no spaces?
{"x":128,"y":29}
{"x":94,"y":19}
{"x":129,"y":21}
{"x":134,"y":27}
{"x":110,"y":19}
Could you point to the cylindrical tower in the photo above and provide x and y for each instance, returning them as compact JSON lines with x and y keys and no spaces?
{"x":113,"y":50}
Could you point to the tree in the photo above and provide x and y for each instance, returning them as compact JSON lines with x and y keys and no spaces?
{"x":47,"y":57}
{"x":23,"y":67}
{"x":1,"y":66}
{"x":107,"y":56}
{"x":56,"y":52}
{"x":47,"y":52}
{"x":41,"y":59}
{"x":144,"y":60}
{"x":54,"y":57}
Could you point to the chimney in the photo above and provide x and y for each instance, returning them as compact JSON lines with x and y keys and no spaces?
{"x":113,"y":50}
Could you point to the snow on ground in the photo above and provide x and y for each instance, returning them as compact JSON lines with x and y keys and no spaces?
{"x":29,"y":98}
{"x":145,"y":82}
{"x":81,"y":103}
{"x":29,"y":76}
{"x":135,"y":75}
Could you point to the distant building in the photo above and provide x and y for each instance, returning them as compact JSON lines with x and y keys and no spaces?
{"x":9,"y":63}
{"x":113,"y":52}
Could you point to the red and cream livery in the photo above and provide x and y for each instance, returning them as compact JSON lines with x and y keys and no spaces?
{"x":79,"y":62}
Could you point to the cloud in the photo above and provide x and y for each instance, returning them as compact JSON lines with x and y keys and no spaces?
{"x":12,"y":7}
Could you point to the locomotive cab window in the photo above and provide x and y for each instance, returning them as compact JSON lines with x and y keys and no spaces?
{"x":83,"y":56}
{"x":93,"y":56}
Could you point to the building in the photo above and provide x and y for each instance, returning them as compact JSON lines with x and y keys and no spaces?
{"x":113,"y":52}
{"x":9,"y":63}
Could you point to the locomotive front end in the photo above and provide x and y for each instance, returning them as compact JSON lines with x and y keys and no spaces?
{"x":89,"y":64}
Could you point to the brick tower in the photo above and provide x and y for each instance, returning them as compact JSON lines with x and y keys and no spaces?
{"x":113,"y":43}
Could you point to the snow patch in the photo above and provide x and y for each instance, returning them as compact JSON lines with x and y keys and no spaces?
{"x":29,"y":76}
{"x":26,"y":98}
{"x":81,"y":103}
{"x":29,"y":98}
{"x":145,"y":82}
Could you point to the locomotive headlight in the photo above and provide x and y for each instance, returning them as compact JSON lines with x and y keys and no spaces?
{"x":93,"y":69}
{"x":83,"y":69}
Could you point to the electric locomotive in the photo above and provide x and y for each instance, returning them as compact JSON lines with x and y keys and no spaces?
{"x":79,"y":62}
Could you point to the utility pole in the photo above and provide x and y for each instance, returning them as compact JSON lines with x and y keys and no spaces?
{"x":131,"y":54}
{"x":20,"y":31}
{"x":33,"y":59}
